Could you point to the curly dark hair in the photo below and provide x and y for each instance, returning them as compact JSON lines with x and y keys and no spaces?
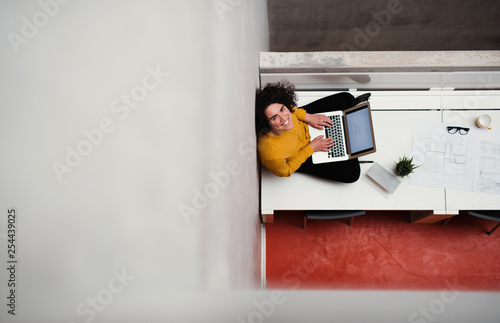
{"x":281,"y":92}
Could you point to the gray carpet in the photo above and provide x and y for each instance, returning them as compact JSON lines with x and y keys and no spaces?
{"x":383,"y":25}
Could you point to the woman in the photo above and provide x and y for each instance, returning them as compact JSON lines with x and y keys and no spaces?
{"x":284,"y":143}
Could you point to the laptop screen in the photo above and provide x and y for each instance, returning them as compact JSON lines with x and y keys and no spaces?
{"x":359,"y":127}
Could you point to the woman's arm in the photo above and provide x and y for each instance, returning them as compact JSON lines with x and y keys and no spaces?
{"x":317,"y":121}
{"x":285,"y":167}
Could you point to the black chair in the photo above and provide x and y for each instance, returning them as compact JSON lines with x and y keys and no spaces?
{"x":328,"y":214}
{"x":363,"y":98}
{"x":488,"y":215}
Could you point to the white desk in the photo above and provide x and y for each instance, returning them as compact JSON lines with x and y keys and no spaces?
{"x":394,"y":115}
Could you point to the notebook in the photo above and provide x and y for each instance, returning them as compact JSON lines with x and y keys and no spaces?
{"x":382,"y":179}
{"x":352,"y":132}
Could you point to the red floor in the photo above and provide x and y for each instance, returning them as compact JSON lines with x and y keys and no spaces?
{"x":382,"y":250}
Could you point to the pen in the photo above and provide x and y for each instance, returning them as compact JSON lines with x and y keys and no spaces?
{"x":366,"y":161}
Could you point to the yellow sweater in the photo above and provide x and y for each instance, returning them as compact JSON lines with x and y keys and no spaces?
{"x":284,"y":154}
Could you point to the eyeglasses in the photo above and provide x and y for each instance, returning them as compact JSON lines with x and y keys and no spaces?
{"x":460,"y":130}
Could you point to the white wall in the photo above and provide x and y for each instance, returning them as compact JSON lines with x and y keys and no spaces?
{"x":156,"y":97}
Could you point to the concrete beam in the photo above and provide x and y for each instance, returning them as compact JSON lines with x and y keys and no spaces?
{"x":364,"y":61}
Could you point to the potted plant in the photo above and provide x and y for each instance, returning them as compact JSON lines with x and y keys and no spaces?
{"x":405,"y":166}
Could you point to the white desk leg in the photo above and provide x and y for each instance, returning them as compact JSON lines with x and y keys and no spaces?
{"x":425,"y":217}
{"x":268,"y":216}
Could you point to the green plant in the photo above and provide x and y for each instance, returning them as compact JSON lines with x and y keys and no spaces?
{"x":405,"y":166}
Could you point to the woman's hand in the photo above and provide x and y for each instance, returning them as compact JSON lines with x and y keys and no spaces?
{"x":321,"y":144}
{"x":318,"y":121}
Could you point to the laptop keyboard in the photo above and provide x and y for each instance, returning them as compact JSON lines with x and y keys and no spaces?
{"x":337,"y":133}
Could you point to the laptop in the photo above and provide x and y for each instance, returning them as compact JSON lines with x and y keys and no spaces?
{"x":352,"y":131}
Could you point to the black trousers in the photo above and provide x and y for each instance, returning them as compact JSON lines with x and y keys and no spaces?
{"x":345,"y":171}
